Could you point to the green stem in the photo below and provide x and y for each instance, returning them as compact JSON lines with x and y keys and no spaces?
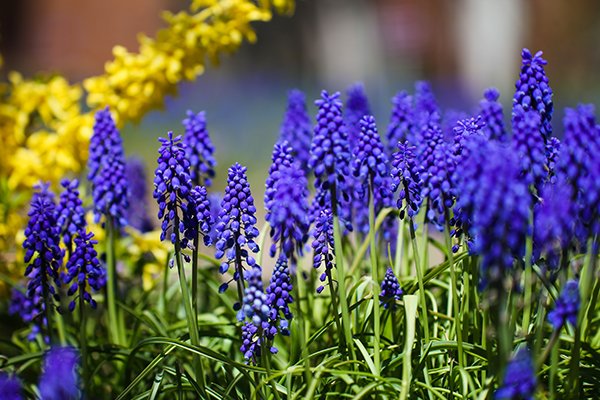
{"x":111,"y":297}
{"x":423,"y":300}
{"x":195,"y":278}
{"x":455,"y":305}
{"x":300,"y":293}
{"x":189,"y":313}
{"x":399,"y":249}
{"x":410,"y":306}
{"x":528,"y":286}
{"x":82,"y":337}
{"x":339,"y":263}
{"x":376,"y":288}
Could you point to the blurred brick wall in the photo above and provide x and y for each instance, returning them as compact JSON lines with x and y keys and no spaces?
{"x":74,"y":37}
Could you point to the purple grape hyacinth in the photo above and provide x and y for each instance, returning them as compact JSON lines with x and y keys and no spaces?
{"x":492,"y":116}
{"x":199,"y":149}
{"x":71,"y":215}
{"x":519,"y":378}
{"x":566,"y":307}
{"x":357,"y":106}
{"x":533,"y":92}
{"x":529,"y":145}
{"x":172,"y":187}
{"x":465,"y":130}
{"x":84,"y":269}
{"x":10,"y":387}
{"x":438,"y":188}
{"x":330,"y":151}
{"x":552,"y":156}
{"x":236,"y":228}
{"x":106,"y":165}
{"x":296,"y":128}
{"x":198,"y":219}
{"x":405,"y":176}
{"x":288,"y":214}
{"x":390,"y":290}
{"x":60,"y":380}
{"x":43,"y":254}
{"x":281,"y":158}
{"x":279,"y":295}
{"x":323,"y":244}
{"x":137,"y":212}
{"x":401,"y":121}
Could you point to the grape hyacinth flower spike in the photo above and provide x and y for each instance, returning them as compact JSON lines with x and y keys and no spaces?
{"x":529,"y":145}
{"x":84,"y":270}
{"x":43,"y":256}
{"x":236,"y":228}
{"x":357,"y":106}
{"x":296,"y":128}
{"x":199,"y":149}
{"x":71,"y":215}
{"x":390,"y":290}
{"x":10,"y":387}
{"x":106,"y":165}
{"x":519,"y":379}
{"x":137,"y":213}
{"x":533,"y":92}
{"x":492,"y":115}
{"x":280,"y":158}
{"x":406,"y":178}
{"x":288,"y":213}
{"x":401,"y":121}
{"x":60,"y":380}
{"x":279,"y":295}
{"x":323,"y":244}
{"x":566,"y":307}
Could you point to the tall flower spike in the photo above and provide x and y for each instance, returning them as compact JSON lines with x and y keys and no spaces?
{"x":281,"y":158}
{"x":529,"y":145}
{"x":566,"y":307}
{"x":330,"y":151}
{"x":464,"y":130}
{"x":357,"y":106}
{"x":553,"y":222}
{"x":42,"y":254}
{"x":236,"y":228}
{"x":323,"y":244}
{"x":519,"y":378}
{"x":60,"y":380}
{"x":71,"y":215}
{"x":28,"y":309}
{"x":251,"y":345}
{"x":370,"y":163}
{"x":492,"y":115}
{"x":401,"y":121}
{"x":390,"y":290}
{"x":172,"y":187}
{"x":552,"y":154}
{"x":533,"y":92}
{"x":279,"y":295}
{"x":84,"y":270}
{"x":288,"y":214}
{"x":10,"y":387}
{"x":296,"y":128}
{"x":439,"y":188}
{"x":199,"y":149}
{"x":499,"y":204}
{"x":137,"y":211}
{"x":198,"y":218}
{"x":405,"y":176}
{"x":106,"y":167}
{"x":427,"y":111}
{"x":255,"y":306}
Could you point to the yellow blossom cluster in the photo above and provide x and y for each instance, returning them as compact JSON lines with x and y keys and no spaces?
{"x":44,"y":129}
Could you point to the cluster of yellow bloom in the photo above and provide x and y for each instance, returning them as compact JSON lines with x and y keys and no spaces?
{"x":44,"y":132}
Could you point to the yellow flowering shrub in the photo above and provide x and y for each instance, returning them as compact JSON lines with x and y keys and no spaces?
{"x":45,"y":132}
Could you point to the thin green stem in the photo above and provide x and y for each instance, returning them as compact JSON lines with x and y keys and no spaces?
{"x":82,"y":337}
{"x":423,"y":300}
{"x":376,"y":288}
{"x":111,"y":296}
{"x":455,"y":305}
{"x":195,"y":278}
{"x":189,"y":313}
{"x":339,"y":264}
{"x":300,"y":293}
{"x":528,"y":285}
{"x":399,"y":249}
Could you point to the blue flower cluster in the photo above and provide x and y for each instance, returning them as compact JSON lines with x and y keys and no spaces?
{"x":519,"y":379}
{"x":296,"y":128}
{"x":492,"y":116}
{"x":323,"y":245}
{"x":406,"y":178}
{"x":401,"y":121}
{"x":529,"y":145}
{"x":137,"y":212}
{"x":566,"y":307}
{"x":357,"y":106}
{"x":10,"y":387}
{"x":390,"y":290}
{"x":70,"y":211}
{"x":198,"y":218}
{"x":281,"y":157}
{"x":60,"y":380}
{"x":106,"y":165}
{"x":236,"y":228}
{"x":279,"y":294}
{"x":533,"y":92}
{"x":84,"y":269}
{"x":199,"y":149}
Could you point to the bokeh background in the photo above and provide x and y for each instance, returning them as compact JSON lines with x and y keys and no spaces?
{"x":461,"y":46}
